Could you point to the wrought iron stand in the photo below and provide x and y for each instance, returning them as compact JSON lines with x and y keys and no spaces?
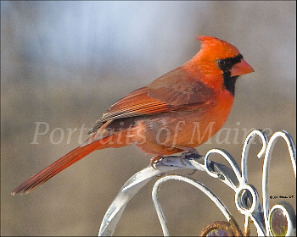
{"x":280,"y":220}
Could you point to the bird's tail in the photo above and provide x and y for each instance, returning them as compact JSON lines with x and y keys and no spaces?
{"x":61,"y":164}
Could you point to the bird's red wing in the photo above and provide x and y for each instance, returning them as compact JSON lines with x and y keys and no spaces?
{"x":135,"y":104}
{"x":174,"y":91}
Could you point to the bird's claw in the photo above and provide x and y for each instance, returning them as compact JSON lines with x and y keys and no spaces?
{"x":155,"y":160}
{"x":188,"y":154}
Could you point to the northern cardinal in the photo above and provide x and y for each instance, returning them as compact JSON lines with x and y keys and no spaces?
{"x":175,"y":113}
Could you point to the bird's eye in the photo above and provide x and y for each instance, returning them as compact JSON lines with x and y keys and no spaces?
{"x":224,"y":65}
{"x":221,"y":63}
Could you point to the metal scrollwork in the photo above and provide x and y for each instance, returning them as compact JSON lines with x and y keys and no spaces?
{"x":278,"y":221}
{"x":286,"y":209}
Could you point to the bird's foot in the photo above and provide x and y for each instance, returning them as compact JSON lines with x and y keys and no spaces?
{"x":189,"y":152}
{"x":155,"y":160}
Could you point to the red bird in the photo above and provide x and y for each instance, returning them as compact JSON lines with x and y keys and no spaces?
{"x":170,"y":114}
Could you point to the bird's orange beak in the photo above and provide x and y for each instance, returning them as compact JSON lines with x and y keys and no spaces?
{"x":241,"y":68}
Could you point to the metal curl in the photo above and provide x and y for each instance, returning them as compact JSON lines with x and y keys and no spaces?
{"x":265,"y":176}
{"x":246,"y":148}
{"x":227,"y":157}
{"x":194,"y":183}
{"x":255,"y":199}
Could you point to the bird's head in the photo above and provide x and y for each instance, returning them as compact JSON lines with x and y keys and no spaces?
{"x":220,"y":62}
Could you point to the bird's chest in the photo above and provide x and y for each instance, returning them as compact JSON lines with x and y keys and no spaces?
{"x":188,"y":128}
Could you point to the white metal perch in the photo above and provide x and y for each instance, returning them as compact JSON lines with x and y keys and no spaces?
{"x":246,"y":195}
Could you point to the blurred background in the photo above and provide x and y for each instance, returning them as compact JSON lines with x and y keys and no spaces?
{"x":65,"y":63}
